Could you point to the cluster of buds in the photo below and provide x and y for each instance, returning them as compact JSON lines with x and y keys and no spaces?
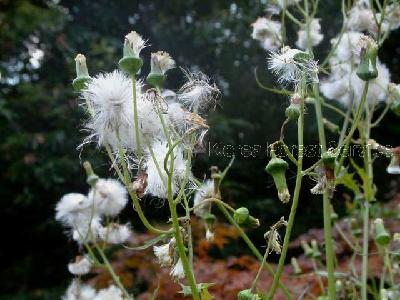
{"x":277,"y":168}
{"x":367,"y":69}
{"x":247,"y":295}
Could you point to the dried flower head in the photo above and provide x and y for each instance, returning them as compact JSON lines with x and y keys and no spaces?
{"x":110,"y":293}
{"x":78,"y":291}
{"x":133,"y":44}
{"x":177,"y":271}
{"x":197,"y":93}
{"x":293,"y":65}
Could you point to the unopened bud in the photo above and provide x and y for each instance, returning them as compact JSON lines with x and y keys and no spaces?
{"x":369,"y":51}
{"x":82,"y":73}
{"x":277,"y":169}
{"x":382,"y":237}
{"x":161,"y":62}
{"x":131,"y":62}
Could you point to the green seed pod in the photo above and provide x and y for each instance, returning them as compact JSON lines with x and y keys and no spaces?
{"x":277,"y":169}
{"x":131,"y":62}
{"x":295,"y":265}
{"x":241,"y":215}
{"x":382,"y":237}
{"x":308,"y":252}
{"x":82,"y":73}
{"x":292,"y":112}
{"x":367,"y":68}
{"x":247,"y":295}
{"x":160,"y":62}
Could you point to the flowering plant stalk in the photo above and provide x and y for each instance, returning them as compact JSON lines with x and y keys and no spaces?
{"x":151,"y":134}
{"x":356,"y":78}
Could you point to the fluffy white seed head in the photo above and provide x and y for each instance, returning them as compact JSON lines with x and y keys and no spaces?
{"x":115,"y":233}
{"x":87,"y":228}
{"x":108,"y":197}
{"x":108,"y":99}
{"x":161,"y":62}
{"x":268,"y":33}
{"x":70,"y":207}
{"x":361,"y":17}
{"x":78,"y":291}
{"x":81,"y":266}
{"x":157,"y":178}
{"x":110,"y":293}
{"x":314,"y":33}
{"x":177,"y":271}
{"x":205,"y":191}
{"x":198,"y":93}
{"x":163,"y":255}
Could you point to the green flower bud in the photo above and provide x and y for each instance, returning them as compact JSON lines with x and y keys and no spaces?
{"x":247,"y":295}
{"x":161,"y":62}
{"x":369,"y":51}
{"x":82,"y":73}
{"x":295,"y":265}
{"x":277,"y":169}
{"x":308,"y":252}
{"x":131,"y":62}
{"x":382,"y":237}
{"x":92,"y":178}
{"x":241,"y":215}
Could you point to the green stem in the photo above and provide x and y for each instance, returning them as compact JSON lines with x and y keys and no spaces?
{"x":354,"y":125}
{"x":262,"y":266}
{"x":293,"y":209}
{"x":136,"y":120}
{"x":364,"y":268}
{"x":329,"y":252}
{"x":252,"y":247}
{"x":178,"y":236}
{"x":114,"y":276}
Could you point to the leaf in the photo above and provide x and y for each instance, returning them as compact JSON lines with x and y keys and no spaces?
{"x":367,"y":186}
{"x":347,"y":179}
{"x":150,"y":243}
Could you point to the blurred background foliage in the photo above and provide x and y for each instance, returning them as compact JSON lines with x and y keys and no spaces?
{"x":40,"y":117}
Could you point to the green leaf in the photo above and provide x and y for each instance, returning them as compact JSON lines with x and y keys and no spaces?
{"x":347,"y":179}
